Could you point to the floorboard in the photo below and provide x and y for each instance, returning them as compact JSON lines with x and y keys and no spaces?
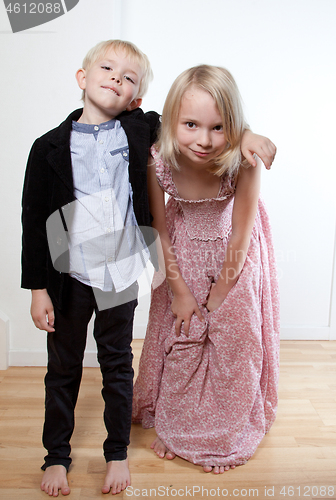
{"x":297,"y":459}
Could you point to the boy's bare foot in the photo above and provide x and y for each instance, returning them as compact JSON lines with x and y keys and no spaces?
{"x":54,"y":479}
{"x":218,"y":469}
{"x":161,"y":450}
{"x":117,"y":476}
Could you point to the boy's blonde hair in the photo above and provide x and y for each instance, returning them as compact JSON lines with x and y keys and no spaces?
{"x":98,"y":51}
{"x":223,"y":89}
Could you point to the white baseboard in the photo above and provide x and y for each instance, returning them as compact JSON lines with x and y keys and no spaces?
{"x":4,"y":341}
{"x":39,"y":358}
{"x":305,"y":333}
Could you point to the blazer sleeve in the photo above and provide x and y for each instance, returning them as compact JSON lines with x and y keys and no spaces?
{"x":35,"y":211}
{"x":154,"y":120}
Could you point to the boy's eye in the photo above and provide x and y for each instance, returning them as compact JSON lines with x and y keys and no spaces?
{"x":128,"y":78}
{"x":106,"y":67}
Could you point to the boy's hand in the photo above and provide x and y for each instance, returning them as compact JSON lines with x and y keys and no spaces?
{"x":183,"y":307}
{"x":42,"y":310}
{"x":252,"y":143}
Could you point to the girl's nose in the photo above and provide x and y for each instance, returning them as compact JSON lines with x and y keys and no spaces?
{"x":204,"y":139}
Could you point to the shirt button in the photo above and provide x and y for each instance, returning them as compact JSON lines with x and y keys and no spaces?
{"x":106,"y":199}
{"x":102,"y":170}
{"x":96,"y":128}
{"x":108,"y":230}
{"x":124,"y":154}
{"x":101,"y":142}
{"x":110,"y":259}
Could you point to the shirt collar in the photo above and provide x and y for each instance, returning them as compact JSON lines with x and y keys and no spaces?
{"x":87,"y":128}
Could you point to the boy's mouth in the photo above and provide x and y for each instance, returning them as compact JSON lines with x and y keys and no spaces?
{"x":112,"y":89}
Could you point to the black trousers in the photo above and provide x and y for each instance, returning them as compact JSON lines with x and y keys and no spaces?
{"x":113,"y":334}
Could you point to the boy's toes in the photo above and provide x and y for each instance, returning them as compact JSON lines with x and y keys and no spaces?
{"x":52,"y":491}
{"x":106,"y":488}
{"x":118,"y":488}
{"x":65,"y":490}
{"x":207,"y":468}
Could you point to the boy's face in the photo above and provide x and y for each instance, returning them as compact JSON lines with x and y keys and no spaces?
{"x":111,"y":85}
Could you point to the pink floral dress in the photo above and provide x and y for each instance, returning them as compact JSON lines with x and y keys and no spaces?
{"x":212,"y":395}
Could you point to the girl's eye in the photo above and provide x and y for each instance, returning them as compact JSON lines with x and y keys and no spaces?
{"x":106,"y":67}
{"x":190,"y":124}
{"x":219,"y":128}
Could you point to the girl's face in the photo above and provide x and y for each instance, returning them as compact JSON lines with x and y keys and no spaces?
{"x":199,"y":133}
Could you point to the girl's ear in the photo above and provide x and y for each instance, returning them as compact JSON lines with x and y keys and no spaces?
{"x":80,"y":77}
{"x":134,"y":104}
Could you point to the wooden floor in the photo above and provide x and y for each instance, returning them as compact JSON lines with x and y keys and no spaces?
{"x":297,"y":459}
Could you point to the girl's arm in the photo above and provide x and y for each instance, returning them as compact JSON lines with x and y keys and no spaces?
{"x":243,"y":217}
{"x":184,"y":304}
{"x":263,"y":147}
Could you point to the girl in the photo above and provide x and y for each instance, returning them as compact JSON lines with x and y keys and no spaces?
{"x":209,"y":368}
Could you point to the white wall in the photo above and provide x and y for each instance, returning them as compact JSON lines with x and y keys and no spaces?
{"x":282,"y":54}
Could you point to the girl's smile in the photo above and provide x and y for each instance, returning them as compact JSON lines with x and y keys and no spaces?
{"x":200,"y":154}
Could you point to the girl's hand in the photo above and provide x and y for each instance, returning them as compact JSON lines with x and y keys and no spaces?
{"x":42,"y":310}
{"x":252,"y":143}
{"x":215,"y":299}
{"x":183,"y":307}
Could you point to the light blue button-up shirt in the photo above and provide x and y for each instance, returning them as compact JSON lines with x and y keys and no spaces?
{"x":106,"y":246}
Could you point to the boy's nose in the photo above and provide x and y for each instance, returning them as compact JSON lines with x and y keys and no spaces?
{"x":116,"y":78}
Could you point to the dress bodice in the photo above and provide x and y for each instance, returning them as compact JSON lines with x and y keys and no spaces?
{"x":205,"y":219}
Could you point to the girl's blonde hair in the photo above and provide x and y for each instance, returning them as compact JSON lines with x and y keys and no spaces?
{"x":132,"y":52}
{"x":223,"y":89}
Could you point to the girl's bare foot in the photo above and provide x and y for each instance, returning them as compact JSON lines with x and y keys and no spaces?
{"x":54,"y":479}
{"x":161,"y":450}
{"x":218,"y":469}
{"x":117,"y":476}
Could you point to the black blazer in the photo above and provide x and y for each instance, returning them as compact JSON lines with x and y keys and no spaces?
{"x":48,"y":187}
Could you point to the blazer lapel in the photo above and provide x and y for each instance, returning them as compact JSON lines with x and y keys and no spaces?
{"x":60,"y":160}
{"x":138,"y":136}
{"x":59,"y":157}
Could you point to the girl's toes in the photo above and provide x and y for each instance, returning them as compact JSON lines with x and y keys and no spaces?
{"x":207,"y":468}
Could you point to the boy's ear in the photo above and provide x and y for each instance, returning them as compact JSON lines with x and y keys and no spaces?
{"x":136,"y":103}
{"x":80,"y":77}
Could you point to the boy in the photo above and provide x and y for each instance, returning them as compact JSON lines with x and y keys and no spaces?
{"x":74,"y":162}
{"x":82,"y":172}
